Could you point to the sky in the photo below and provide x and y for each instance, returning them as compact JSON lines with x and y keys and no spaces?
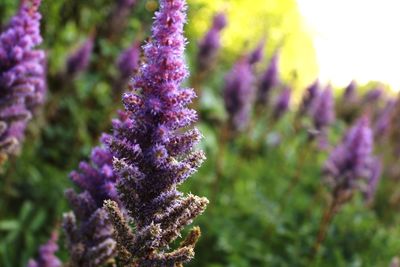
{"x":355,"y":39}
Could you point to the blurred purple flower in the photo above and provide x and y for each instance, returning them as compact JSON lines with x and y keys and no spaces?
{"x":268,"y":81}
{"x":384,"y":118}
{"x":257,"y":54}
{"x":309,"y":98}
{"x":239,"y":94}
{"x":154,"y":153}
{"x":210,"y":44}
{"x":22,"y":76}
{"x":372,"y":184}
{"x":323,"y":110}
{"x":350,"y":93}
{"x":97,"y":176}
{"x":47,"y":256}
{"x":88,"y":231}
{"x":351,"y":165}
{"x":282,"y":104}
{"x":373,"y":95}
{"x":79,"y":60}
{"x":128,"y":61}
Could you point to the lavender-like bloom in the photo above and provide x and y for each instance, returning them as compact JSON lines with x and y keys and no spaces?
{"x":323,"y":111}
{"x":350,"y":93}
{"x":88,"y":231}
{"x":79,"y":60}
{"x":373,"y":96}
{"x":128,"y":61}
{"x":210,"y":44}
{"x":268,"y":81}
{"x":257,"y":54}
{"x":372,"y":184}
{"x":154,"y":153}
{"x":239,"y":94}
{"x":382,"y":123}
{"x":22,"y":72}
{"x":309,"y":98}
{"x":351,"y":165}
{"x":282,"y":104}
{"x":46,"y":254}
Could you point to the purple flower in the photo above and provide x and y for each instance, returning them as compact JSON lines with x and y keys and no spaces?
{"x":79,"y":60}
{"x":282,"y":104}
{"x":373,"y":96}
{"x":372,"y":184}
{"x":384,"y":117}
{"x":88,"y":230}
{"x":351,"y":164}
{"x":154,"y":152}
{"x":210,"y":44}
{"x":97,"y":176}
{"x":239,"y":94}
{"x":309,"y":98}
{"x":22,"y":73}
{"x":46,"y":256}
{"x":128,"y":61}
{"x":323,"y":110}
{"x":268,"y":81}
{"x":257,"y":54}
{"x":350,"y":93}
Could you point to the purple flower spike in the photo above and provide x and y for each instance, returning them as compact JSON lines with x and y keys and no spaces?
{"x":97,"y":177}
{"x":351,"y":165}
{"x":258,"y":53}
{"x":210,"y":44}
{"x":154,"y":152}
{"x":282,"y":104}
{"x":22,"y":72}
{"x":46,"y":254}
{"x":370,"y":190}
{"x":89,"y":232}
{"x":350,"y":93}
{"x":309,"y":98}
{"x":323,"y":110}
{"x":382,"y":123}
{"x":239,"y":94}
{"x":269,"y":80}
{"x":79,"y":60}
{"x":373,"y":96}
{"x":128,"y":61}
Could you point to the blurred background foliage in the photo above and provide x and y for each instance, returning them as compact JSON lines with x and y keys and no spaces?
{"x":255,"y":218}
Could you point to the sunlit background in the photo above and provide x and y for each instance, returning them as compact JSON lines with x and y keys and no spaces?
{"x":355,"y":39}
{"x":336,"y":40}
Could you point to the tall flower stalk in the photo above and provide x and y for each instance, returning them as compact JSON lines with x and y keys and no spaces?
{"x":22,"y":76}
{"x":239,"y":95}
{"x":79,"y":60}
{"x":211,"y":43}
{"x":154,"y":153}
{"x":268,"y":81}
{"x":47,"y":257}
{"x":207,"y":55}
{"x":323,"y":111}
{"x":89,"y":234}
{"x":350,"y":168}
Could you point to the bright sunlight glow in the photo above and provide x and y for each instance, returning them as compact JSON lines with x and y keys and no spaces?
{"x":355,"y":39}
